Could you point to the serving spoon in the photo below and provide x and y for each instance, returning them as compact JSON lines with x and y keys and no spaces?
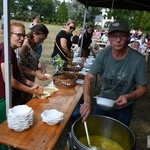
{"x":88,"y":138}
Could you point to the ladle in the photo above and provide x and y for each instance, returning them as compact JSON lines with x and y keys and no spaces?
{"x":88,"y":138}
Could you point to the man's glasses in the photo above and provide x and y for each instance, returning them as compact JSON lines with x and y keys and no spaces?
{"x":115,"y":37}
{"x":72,"y":28}
{"x":19,"y":35}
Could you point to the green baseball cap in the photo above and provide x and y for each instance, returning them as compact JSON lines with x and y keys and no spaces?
{"x":118,"y":26}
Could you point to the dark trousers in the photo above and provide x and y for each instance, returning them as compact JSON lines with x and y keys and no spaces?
{"x":123,"y":115}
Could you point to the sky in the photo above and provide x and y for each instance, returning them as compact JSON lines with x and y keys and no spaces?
{"x":63,"y":0}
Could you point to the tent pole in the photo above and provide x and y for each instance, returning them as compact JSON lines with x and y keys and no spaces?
{"x":6,"y":12}
{"x":83,"y":28}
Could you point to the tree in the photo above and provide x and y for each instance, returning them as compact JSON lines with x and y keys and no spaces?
{"x":137,"y":19}
{"x":45,"y":8}
{"x":62,"y":13}
{"x":1,"y":7}
{"x":76,"y":12}
{"x":92,"y":13}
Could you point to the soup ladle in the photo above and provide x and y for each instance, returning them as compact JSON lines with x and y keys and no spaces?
{"x":88,"y":138}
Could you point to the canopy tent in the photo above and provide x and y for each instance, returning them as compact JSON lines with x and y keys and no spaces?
{"x":115,"y":4}
{"x":119,"y":4}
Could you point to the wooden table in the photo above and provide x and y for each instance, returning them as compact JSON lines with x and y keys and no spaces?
{"x":41,"y":136}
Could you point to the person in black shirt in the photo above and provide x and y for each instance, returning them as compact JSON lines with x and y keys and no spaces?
{"x":62,"y":47}
{"x":87,"y":40}
{"x":75,"y":39}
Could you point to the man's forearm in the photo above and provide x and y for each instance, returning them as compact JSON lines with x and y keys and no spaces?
{"x":140,"y":91}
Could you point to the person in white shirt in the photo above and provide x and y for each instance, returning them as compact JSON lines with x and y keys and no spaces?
{"x":104,"y":37}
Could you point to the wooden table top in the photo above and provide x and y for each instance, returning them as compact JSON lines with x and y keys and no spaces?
{"x":41,"y":136}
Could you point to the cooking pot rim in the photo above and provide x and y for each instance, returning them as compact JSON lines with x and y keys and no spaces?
{"x":101,"y":116}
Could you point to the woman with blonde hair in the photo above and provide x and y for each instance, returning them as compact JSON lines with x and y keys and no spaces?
{"x":18,"y":82}
{"x":62,"y":47}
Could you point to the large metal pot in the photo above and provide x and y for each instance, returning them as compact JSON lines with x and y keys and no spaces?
{"x":103,"y":126}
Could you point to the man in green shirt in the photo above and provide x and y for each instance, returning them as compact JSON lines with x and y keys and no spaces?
{"x":123,"y":73}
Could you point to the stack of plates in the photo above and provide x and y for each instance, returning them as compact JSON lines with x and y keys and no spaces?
{"x":20,"y":117}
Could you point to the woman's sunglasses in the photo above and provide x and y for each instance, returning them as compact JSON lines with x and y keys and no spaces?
{"x":72,"y":28}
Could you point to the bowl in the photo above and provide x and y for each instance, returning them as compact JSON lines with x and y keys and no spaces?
{"x":78,"y":60}
{"x":64,"y":79}
{"x":50,"y":89}
{"x":90,"y":56}
{"x":90,"y":60}
{"x":104,"y":101}
{"x":87,"y":64}
{"x":44,"y":95}
{"x":52,"y":116}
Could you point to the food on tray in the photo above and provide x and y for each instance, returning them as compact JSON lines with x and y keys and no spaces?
{"x":50,"y":89}
{"x":44,"y":95}
{"x":47,"y":75}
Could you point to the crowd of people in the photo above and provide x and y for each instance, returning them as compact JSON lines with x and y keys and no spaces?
{"x":91,"y":45}
{"x":123,"y":70}
{"x":121,"y":65}
{"x":140,"y":42}
{"x":20,"y":84}
{"x":24,"y":65}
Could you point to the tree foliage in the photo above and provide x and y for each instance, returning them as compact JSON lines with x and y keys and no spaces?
{"x":45,"y":8}
{"x":56,"y":11}
{"x":92,"y":13}
{"x":76,"y":12}
{"x":62,"y":13}
{"x":137,"y":19}
{"x":1,"y":7}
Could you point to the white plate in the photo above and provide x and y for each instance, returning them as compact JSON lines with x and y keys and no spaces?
{"x":50,"y":89}
{"x":44,"y":95}
{"x":86,"y":69}
{"x":104,"y":101}
{"x":148,"y":50}
{"x":79,"y":81}
{"x":87,"y":64}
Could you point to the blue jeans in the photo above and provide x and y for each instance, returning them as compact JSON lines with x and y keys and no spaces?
{"x":123,"y":115}
{"x":39,"y":51}
{"x":76,"y":113}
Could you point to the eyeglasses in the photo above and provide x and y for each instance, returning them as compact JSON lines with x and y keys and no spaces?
{"x":19,"y":35}
{"x":72,"y":28}
{"x":115,"y":36}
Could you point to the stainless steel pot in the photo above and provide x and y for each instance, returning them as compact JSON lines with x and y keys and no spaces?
{"x":103,"y":126}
